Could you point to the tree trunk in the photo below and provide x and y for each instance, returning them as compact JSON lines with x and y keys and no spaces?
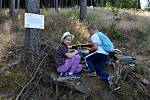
{"x":32,"y":44}
{"x":49,"y":4}
{"x":0,"y":4}
{"x":18,"y":4}
{"x":52,"y":3}
{"x":83,"y":10}
{"x":97,"y":3}
{"x":73,"y":3}
{"x":0,"y":7}
{"x":56,"y":6}
{"x":138,"y":4}
{"x":91,"y":3}
{"x":4,"y":2}
{"x":59,"y":3}
{"x":62,"y":3}
{"x":66,"y":3}
{"x":12,"y":8}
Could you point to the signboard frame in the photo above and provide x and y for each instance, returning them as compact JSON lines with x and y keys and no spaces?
{"x":34,"y":21}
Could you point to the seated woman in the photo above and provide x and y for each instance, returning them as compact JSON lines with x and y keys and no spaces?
{"x":67,"y":62}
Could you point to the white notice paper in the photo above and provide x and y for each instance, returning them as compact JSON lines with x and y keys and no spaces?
{"x":34,"y":21}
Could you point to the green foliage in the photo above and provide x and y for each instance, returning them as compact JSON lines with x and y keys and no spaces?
{"x":128,"y":4}
{"x":73,"y":13}
{"x":92,"y":17}
{"x":115,"y":10}
{"x":99,"y":5}
{"x":108,"y":4}
{"x":148,"y":9}
{"x":116,"y":35}
{"x":44,"y":7}
{"x":125,"y":4}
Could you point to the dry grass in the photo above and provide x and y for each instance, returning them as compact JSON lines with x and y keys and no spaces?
{"x":56,"y":24}
{"x":6,"y":38}
{"x":134,"y":26}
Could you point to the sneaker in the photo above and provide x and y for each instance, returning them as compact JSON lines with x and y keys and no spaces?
{"x":117,"y":78}
{"x":66,"y":76}
{"x":61,"y":74}
{"x":74,"y":76}
{"x":92,"y":74}
{"x":111,"y":81}
{"x":146,"y":82}
{"x":71,"y":75}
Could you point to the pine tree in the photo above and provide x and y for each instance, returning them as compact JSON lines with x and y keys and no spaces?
{"x":18,"y":4}
{"x":12,"y":7}
{"x":56,"y":6}
{"x":0,"y":4}
{"x":83,"y":10}
{"x":32,"y":44}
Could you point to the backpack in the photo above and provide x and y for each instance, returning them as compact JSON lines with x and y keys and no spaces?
{"x":106,"y":44}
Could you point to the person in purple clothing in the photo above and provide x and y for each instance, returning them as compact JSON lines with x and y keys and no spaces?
{"x":67,"y":62}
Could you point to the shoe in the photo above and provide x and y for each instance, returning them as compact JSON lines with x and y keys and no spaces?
{"x":117,"y":78}
{"x":69,"y":77}
{"x":72,"y":76}
{"x":66,"y":74}
{"x":112,"y":84}
{"x":92,"y":74}
{"x":61,"y":74}
{"x":146,"y":82}
{"x":111,"y":81}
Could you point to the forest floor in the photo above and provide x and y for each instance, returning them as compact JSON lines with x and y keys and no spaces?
{"x":131,"y":36}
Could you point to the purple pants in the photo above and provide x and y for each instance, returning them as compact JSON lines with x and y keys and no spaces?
{"x":71,"y":65}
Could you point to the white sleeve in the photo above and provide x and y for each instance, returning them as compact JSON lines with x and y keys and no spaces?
{"x":95,"y":39}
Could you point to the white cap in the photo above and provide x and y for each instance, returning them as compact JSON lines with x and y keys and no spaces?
{"x":67,"y":34}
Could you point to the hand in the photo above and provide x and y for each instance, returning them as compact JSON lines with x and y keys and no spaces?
{"x":76,"y":52}
{"x":71,"y":50}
